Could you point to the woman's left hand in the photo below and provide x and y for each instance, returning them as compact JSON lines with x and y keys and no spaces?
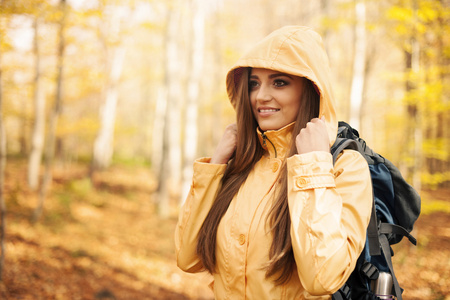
{"x":314,"y":137}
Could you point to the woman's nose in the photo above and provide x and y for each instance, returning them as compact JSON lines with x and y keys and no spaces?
{"x":263,"y":93}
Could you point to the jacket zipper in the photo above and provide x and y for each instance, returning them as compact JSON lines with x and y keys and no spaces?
{"x":265,"y":138}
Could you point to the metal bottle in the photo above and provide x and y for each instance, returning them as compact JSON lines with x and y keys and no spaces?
{"x":382,"y":287}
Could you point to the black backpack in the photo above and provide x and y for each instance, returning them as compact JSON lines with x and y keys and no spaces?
{"x":396,"y":206}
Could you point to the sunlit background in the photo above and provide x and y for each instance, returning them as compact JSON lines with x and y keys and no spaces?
{"x":107,"y":101}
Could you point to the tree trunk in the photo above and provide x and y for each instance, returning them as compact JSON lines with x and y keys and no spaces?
{"x":443,"y":117}
{"x":359,"y":61}
{"x":56,"y":111}
{"x":171,"y":159}
{"x":191,"y":110}
{"x":158,"y":132}
{"x":2,"y":179}
{"x":38,"y":134}
{"x":104,"y":142}
{"x":103,"y":145}
{"x":414,"y":123}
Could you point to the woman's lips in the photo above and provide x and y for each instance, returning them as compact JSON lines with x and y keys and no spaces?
{"x":266,"y":112}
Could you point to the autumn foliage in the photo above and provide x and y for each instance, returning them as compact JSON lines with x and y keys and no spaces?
{"x":104,"y":105}
{"x":105,"y":239}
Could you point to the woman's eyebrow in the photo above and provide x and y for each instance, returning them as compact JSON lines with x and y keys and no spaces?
{"x":279,"y":75}
{"x":271,"y":76}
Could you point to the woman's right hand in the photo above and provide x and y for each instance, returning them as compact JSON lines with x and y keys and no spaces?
{"x":226,"y":146}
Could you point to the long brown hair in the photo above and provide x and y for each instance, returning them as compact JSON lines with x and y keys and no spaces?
{"x":248,"y":152}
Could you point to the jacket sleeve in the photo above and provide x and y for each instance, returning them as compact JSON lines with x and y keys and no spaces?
{"x":330,"y":210}
{"x":205,"y":184}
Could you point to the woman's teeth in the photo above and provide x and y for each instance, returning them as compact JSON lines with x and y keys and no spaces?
{"x":268,"y":110}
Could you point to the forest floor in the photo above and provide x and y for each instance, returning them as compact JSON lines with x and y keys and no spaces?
{"x":104,"y":240}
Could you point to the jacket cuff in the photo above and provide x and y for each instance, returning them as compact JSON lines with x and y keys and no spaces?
{"x":203,"y":165}
{"x":311,"y":170}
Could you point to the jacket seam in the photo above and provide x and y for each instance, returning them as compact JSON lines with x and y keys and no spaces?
{"x":183,"y":229}
{"x":281,"y":46}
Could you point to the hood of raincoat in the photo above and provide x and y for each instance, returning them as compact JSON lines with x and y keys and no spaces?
{"x":295,"y":50}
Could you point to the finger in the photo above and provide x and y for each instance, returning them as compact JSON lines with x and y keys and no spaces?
{"x":315,"y":120}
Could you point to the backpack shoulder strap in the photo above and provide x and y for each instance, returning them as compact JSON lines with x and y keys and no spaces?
{"x":342,"y":143}
{"x":388,"y":228}
{"x":387,"y":255}
{"x":372,"y":234}
{"x":344,"y":293}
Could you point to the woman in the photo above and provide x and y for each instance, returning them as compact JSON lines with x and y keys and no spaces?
{"x":269,"y":215}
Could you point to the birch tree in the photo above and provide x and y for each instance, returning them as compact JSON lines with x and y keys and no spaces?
{"x":170,"y":168}
{"x":114,"y":52}
{"x":196,"y":54}
{"x":420,"y":27}
{"x":359,"y":61}
{"x":54,"y":116}
{"x":158,"y":150}
{"x":38,"y":134}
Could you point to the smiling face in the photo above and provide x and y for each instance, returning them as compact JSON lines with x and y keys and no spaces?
{"x":274,"y":97}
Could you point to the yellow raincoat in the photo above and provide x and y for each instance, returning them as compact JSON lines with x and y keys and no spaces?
{"x":329,"y":205}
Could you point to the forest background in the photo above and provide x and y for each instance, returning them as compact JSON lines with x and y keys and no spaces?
{"x":104,"y":105}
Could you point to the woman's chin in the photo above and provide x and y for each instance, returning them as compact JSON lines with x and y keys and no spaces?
{"x":265,"y":126}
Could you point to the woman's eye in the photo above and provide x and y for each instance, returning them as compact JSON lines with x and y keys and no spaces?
{"x":280,"y":83}
{"x":252,"y":84}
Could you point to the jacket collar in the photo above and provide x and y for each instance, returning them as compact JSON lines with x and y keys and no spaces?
{"x":276,"y":142}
